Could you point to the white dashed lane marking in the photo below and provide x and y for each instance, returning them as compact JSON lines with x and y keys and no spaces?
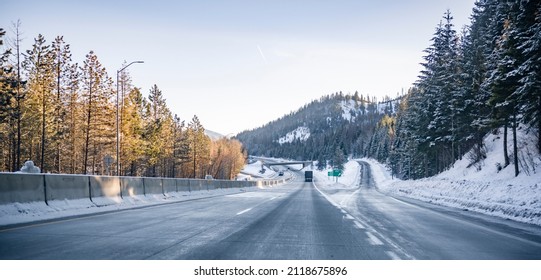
{"x":373,"y":239}
{"x":244,"y":211}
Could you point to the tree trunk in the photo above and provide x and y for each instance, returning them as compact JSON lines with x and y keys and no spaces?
{"x":539,"y":125}
{"x":88,"y":125}
{"x":43,"y":126}
{"x":19,"y":115}
{"x":505,"y":153}
{"x":59,"y":109}
{"x":515,"y":150}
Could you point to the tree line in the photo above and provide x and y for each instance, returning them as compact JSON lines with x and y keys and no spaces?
{"x":487,"y":77}
{"x":62,"y":115}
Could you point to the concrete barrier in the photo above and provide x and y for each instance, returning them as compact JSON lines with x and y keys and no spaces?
{"x":183,"y":185}
{"x":210,"y":184}
{"x":153,"y":185}
{"x":21,"y":187}
{"x":197,"y":185}
{"x":131,"y":186}
{"x":24,"y":187}
{"x":169,"y":185}
{"x":61,"y":186}
{"x":104,"y":186}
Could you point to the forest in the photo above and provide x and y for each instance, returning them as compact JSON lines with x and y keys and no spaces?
{"x":484,"y":78}
{"x":338,"y":125}
{"x":61,"y":114}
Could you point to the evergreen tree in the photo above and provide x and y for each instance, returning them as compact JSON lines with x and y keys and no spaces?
{"x":38,"y":65}
{"x":157,"y":131}
{"x":61,"y":68}
{"x":75,"y":117}
{"x":529,"y":91}
{"x":199,"y":148}
{"x":132,"y":131}
{"x":99,"y":128}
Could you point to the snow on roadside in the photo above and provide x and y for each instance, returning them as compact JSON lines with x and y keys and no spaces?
{"x":252,"y":170}
{"x":16,"y":213}
{"x":348,"y":180}
{"x":498,"y":195}
{"x":339,"y":192}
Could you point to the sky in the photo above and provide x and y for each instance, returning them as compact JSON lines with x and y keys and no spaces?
{"x":240,"y":64}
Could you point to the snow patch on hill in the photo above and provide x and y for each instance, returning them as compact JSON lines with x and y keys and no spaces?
{"x":349,"y":109}
{"x":302,"y":133}
{"x":486,"y":190}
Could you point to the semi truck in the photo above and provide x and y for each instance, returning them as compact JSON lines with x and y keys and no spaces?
{"x":308,"y":176}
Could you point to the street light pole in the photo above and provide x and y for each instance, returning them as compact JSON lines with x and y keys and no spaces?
{"x":117,"y":119}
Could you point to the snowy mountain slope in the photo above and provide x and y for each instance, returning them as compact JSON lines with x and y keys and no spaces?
{"x":488,"y":191}
{"x":213,"y":135}
{"x":302,"y":133}
{"x":333,"y":122}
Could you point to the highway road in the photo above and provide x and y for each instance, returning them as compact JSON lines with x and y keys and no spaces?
{"x":292,"y":221}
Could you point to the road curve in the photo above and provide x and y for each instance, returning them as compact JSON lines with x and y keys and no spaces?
{"x":425,"y":231}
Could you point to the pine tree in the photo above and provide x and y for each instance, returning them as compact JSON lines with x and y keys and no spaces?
{"x":504,"y":80}
{"x":75,"y":117}
{"x":97,"y":98}
{"x":8,"y":93}
{"x":61,"y":67}
{"x":157,"y":130}
{"x":13,"y":94}
{"x":37,"y":64}
{"x":529,"y":92}
{"x":132,"y":131}
{"x":199,"y":148}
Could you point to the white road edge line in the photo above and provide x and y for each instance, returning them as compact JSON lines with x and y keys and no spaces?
{"x":359,"y":225}
{"x":393,"y":255}
{"x":244,"y":211}
{"x":367,"y":225}
{"x":373,"y":239}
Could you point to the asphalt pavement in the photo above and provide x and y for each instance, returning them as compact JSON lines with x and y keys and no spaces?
{"x":293,"y":221}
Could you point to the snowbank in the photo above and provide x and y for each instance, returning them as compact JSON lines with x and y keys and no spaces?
{"x":488,"y":191}
{"x":348,"y":180}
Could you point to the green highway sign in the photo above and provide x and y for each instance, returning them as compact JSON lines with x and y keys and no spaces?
{"x":334,"y":173}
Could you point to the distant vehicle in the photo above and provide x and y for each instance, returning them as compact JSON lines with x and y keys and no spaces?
{"x":281,"y":173}
{"x":209,"y":177}
{"x":308,"y":176}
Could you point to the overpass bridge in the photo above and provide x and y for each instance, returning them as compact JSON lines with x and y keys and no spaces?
{"x":303,"y":163}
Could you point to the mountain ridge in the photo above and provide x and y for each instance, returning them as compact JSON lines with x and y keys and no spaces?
{"x":334,"y":124}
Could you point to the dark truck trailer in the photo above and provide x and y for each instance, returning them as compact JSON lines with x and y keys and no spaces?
{"x":308,"y":176}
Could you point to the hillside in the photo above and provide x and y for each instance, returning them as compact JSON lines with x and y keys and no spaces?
{"x":334,"y":124}
{"x":486,"y":188}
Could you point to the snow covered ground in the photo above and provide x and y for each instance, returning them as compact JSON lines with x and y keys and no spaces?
{"x":340,"y":189}
{"x":302,"y":133}
{"x":485,"y":191}
{"x":252,"y":171}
